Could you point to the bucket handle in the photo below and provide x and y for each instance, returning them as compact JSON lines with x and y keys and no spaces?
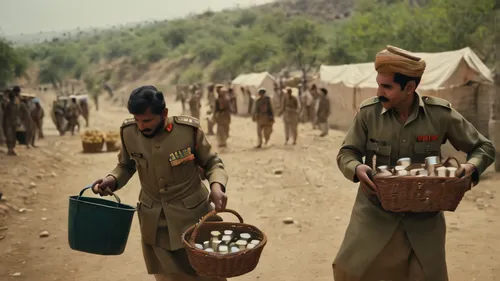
{"x":90,"y":186}
{"x":212,"y":213}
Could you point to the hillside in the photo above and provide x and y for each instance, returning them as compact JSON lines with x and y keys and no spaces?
{"x":218,"y":46}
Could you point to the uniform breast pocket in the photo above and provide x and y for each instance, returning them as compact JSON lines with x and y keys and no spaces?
{"x":425,"y":149}
{"x":383,"y":153}
{"x":142,"y":167}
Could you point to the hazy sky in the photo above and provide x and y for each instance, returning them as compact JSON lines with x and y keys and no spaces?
{"x":32,"y":16}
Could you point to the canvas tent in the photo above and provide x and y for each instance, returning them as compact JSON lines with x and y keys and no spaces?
{"x":457,"y":76}
{"x":252,"y":81}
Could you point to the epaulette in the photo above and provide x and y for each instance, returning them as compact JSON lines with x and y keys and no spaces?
{"x":187,"y":120}
{"x":128,"y":122}
{"x":369,"y":101}
{"x":436,"y":101}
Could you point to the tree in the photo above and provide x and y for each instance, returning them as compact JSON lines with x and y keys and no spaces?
{"x":13,"y":64}
{"x":302,"y":42}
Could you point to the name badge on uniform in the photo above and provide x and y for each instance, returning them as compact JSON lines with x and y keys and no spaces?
{"x":427,"y":138}
{"x":181,"y":156}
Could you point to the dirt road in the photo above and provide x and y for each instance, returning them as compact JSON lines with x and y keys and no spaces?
{"x":265,"y":186}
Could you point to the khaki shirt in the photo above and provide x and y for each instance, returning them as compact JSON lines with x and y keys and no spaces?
{"x":263,"y":110}
{"x":323,"y":109}
{"x":290,"y":108}
{"x":379,"y":131}
{"x":168,"y":166}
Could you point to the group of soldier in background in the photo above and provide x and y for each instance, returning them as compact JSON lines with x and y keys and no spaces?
{"x":22,"y":114}
{"x":310,"y":105}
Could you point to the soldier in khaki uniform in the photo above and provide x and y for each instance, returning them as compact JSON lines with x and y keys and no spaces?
{"x":222,"y":117}
{"x":26,"y":121}
{"x":37,"y":114}
{"x":381,"y":245}
{"x":263,"y":116}
{"x":290,"y":110}
{"x":10,"y":121}
{"x":232,"y":98}
{"x":84,"y":106}
{"x":195,"y":104}
{"x":211,"y":95}
{"x":73,"y":111}
{"x":323,"y":112}
{"x":167,"y":153}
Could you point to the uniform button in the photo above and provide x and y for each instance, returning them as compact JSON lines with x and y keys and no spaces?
{"x":404,"y":140}
{"x":161,"y":178}
{"x":159,"y":165}
{"x":157,"y":146}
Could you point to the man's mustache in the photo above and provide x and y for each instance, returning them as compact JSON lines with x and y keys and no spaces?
{"x":383,"y":99}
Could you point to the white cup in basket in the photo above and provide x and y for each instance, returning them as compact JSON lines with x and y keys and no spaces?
{"x":405,"y":162}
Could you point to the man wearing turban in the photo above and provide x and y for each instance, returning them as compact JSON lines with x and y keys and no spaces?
{"x":387,"y":245}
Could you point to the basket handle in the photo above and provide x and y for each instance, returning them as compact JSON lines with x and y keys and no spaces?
{"x":448,"y":159}
{"x":109,"y":190}
{"x":204,"y":218}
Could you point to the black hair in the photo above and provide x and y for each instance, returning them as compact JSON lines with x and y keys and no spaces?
{"x":403,"y":80}
{"x":324,"y":91}
{"x":16,"y":89}
{"x":146,"y":97}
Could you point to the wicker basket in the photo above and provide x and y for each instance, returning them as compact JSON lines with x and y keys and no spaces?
{"x":112,"y":146}
{"x":218,"y":265}
{"x":92,"y":147}
{"x":422,"y":194}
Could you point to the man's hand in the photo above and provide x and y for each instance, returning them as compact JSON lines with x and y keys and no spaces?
{"x":104,"y":186}
{"x":364,"y":174}
{"x":465,"y":169}
{"x":218,"y":196}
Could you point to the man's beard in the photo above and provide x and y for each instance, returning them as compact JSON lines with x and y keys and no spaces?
{"x":158,"y":129}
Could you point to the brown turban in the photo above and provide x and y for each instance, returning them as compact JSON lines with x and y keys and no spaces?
{"x":396,"y":60}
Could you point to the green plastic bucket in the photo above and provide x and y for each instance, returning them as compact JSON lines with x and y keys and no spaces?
{"x":98,"y":226}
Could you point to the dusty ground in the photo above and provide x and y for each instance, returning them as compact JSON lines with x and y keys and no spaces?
{"x":311,"y":190}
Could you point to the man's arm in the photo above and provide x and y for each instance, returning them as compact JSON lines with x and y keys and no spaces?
{"x":353,"y":148}
{"x":464,"y":137}
{"x":210,"y":161}
{"x":125,"y":168}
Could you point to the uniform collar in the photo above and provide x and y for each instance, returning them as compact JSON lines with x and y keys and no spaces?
{"x":421,"y":103}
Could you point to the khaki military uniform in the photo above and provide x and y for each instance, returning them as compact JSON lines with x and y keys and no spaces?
{"x":84,"y":106}
{"x":37,"y":114}
{"x":27,"y":123}
{"x":195,"y":105}
{"x":10,"y":122}
{"x":290,"y":109}
{"x":73,"y":111}
{"x":307,"y":106}
{"x":57,"y":116}
{"x":401,"y":243}
{"x":322,"y":114}
{"x":181,"y":96}
{"x":234,"y":103}
{"x":172,"y":196}
{"x":222,"y":117}
{"x":263,"y":115}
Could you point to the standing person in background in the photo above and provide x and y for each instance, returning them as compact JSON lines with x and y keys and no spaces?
{"x":323,"y":112}
{"x":263,"y":116}
{"x":290,"y":110}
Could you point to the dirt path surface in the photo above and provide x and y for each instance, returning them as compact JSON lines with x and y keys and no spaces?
{"x":265,"y":186}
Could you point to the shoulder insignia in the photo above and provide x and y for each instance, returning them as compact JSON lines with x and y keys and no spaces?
{"x":436,"y":101}
{"x":368,"y":102}
{"x":127,"y":122}
{"x":187,"y":120}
